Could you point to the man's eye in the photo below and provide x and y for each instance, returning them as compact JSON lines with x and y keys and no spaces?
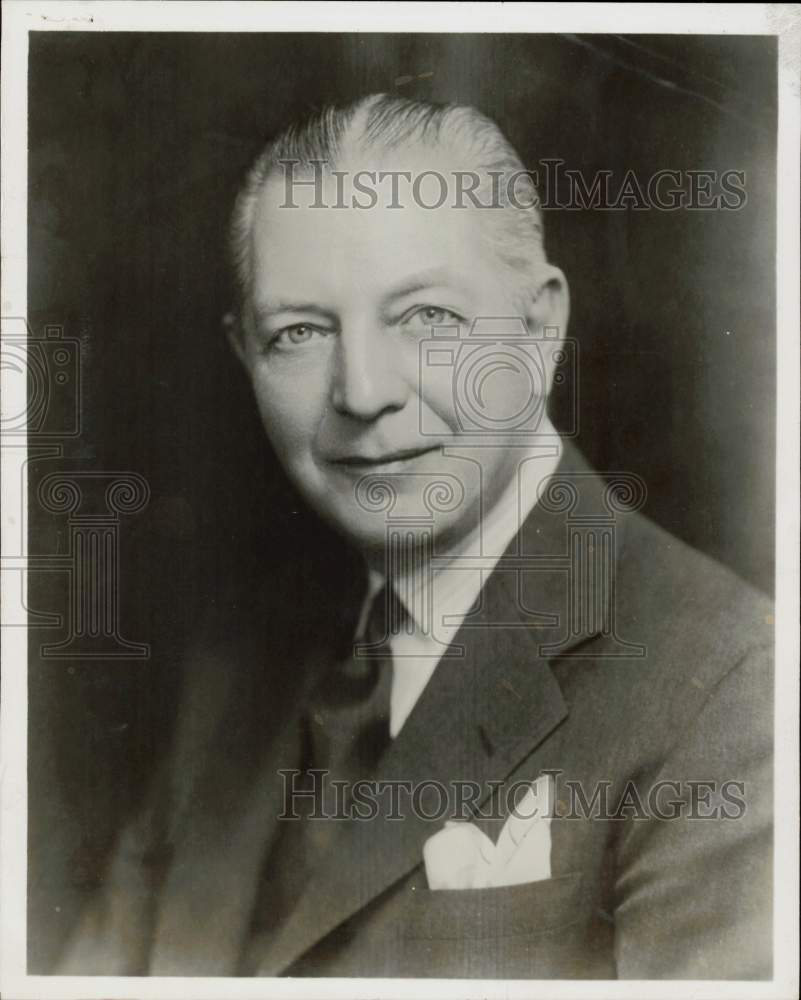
{"x":435,"y":316}
{"x":300,"y":333}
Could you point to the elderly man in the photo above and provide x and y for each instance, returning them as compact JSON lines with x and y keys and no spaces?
{"x":346,"y":790}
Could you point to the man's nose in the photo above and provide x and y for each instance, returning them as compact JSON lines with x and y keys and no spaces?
{"x":367,"y":378}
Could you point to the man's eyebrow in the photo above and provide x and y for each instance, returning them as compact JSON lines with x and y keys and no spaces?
{"x":419,"y":282}
{"x":273,"y":307}
{"x":431,"y":278}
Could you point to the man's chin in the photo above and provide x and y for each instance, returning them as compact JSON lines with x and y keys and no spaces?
{"x":403,"y":539}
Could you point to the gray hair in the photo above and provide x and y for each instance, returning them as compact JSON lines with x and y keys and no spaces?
{"x":384,"y":122}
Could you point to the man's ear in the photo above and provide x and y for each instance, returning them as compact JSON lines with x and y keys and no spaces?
{"x":550,"y":303}
{"x":235,"y":333}
{"x":549,"y":311}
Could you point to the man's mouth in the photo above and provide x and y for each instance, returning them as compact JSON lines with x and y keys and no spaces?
{"x":372,"y":463}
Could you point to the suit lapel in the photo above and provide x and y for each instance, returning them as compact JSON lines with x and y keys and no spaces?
{"x":239,"y":725}
{"x":475,"y":721}
{"x":227,"y":825}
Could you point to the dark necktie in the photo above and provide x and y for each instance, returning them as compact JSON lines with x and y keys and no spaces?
{"x":348,"y":716}
{"x":347,"y":730}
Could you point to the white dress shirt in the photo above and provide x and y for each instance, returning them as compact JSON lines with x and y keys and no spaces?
{"x":416,"y":652}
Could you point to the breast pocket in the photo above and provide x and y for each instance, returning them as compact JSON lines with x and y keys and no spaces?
{"x":520,"y":931}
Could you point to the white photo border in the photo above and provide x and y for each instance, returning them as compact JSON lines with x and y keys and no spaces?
{"x":782,"y":20}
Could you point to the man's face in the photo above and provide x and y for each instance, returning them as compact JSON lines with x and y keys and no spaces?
{"x":343,"y":300}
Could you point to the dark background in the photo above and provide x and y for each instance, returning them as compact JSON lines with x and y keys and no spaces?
{"x":137,"y":142}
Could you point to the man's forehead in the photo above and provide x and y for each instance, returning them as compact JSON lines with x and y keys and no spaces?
{"x":350,"y":243}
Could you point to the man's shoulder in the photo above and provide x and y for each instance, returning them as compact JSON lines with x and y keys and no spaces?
{"x":664,"y":578}
{"x":679,"y":625}
{"x":689,"y":646}
{"x":663,"y":588}
{"x":700,"y":629}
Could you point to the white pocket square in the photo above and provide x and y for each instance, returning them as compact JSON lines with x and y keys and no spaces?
{"x":463,"y":857}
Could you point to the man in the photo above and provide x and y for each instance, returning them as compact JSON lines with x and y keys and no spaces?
{"x":515,"y":622}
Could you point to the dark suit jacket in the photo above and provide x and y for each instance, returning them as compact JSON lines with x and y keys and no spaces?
{"x":665,"y":675}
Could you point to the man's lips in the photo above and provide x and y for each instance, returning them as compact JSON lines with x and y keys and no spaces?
{"x":372,"y":461}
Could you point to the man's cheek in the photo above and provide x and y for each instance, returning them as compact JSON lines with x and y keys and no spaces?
{"x":437,"y":398}
{"x":288,"y":413}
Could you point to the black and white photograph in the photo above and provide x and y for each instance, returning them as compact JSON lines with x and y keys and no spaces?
{"x":400,"y":489}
